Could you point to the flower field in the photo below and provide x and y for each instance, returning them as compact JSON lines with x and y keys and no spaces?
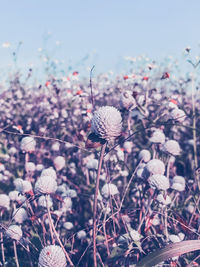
{"x":102,"y":170}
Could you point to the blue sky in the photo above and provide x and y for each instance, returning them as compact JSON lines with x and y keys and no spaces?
{"x":105,"y":31}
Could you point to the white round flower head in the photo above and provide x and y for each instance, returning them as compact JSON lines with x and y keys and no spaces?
{"x":14,"y":232}
{"x":39,"y":167}
{"x":46,"y":185}
{"x":174,"y":238}
{"x":128,"y":145}
{"x":20,"y":215}
{"x":52,"y":256}
{"x":4,"y":201}
{"x":127,"y":101}
{"x":178,"y":115}
{"x":49,"y":172}
{"x":55,"y":146}
{"x":67,"y":204}
{"x":109,"y":190}
{"x":155,"y":166}
{"x":28,"y":144}
{"x":59,"y":163}
{"x":71,"y":193}
{"x":12,"y":150}
{"x":30,"y":167}
{"x":157,"y":137}
{"x":145,"y":155}
{"x":92,"y":164}
{"x":68,"y":225}
{"x":178,"y":183}
{"x":135,"y":235}
{"x":172,"y":147}
{"x":81,"y":234}
{"x":160,"y":198}
{"x":14,"y":195}
{"x":42,"y":202}
{"x":107,"y":123}
{"x":22,"y":186}
{"x":158,"y":181}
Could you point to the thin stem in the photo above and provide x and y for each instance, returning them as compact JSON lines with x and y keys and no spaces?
{"x":50,"y":219}
{"x":95,"y":205}
{"x":15,"y":252}
{"x":2,"y":249}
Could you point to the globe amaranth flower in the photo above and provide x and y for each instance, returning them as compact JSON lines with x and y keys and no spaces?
{"x":155,"y":166}
{"x":164,"y":201}
{"x":49,"y":172}
{"x":68,"y":225}
{"x":42,"y":202}
{"x":22,"y":186}
{"x":81,"y":234}
{"x":178,"y":183}
{"x":172,"y":147}
{"x":178,"y":115}
{"x":52,"y":256}
{"x":158,"y":181}
{"x":109,"y":190}
{"x":4,"y":201}
{"x":20,"y":215}
{"x":107,"y":123}
{"x":157,"y":137}
{"x":144,"y":155}
{"x":127,"y":101}
{"x":46,"y":185}
{"x":30,"y":166}
{"x":28,"y":144}
{"x":14,"y":232}
{"x":59,"y":163}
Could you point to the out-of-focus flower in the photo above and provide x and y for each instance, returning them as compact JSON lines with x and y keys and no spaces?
{"x":14,"y":195}
{"x":49,"y":172}
{"x":20,"y":215}
{"x":127,"y":101}
{"x":164,"y":201}
{"x":178,"y":115}
{"x":46,"y":185}
{"x":157,"y":137}
{"x":67,"y":204}
{"x":55,"y":146}
{"x":6,"y":45}
{"x":14,"y":232}
{"x":172,"y":147}
{"x":42,"y":202}
{"x":12,"y":150}
{"x":81,"y":235}
{"x":28,"y":144}
{"x":52,"y":256}
{"x":22,"y":186}
{"x":68,"y":225}
{"x":109,"y":190}
{"x":178,"y":183}
{"x":59,"y":163}
{"x":4,"y":201}
{"x":30,"y":166}
{"x":144,"y":155}
{"x":158,"y":181}
{"x":174,"y":238}
{"x":39,"y":167}
{"x":107,"y":123}
{"x":92,"y":164}
{"x":155,"y":166}
{"x":128,"y":145}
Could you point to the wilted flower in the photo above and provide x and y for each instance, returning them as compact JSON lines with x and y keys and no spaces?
{"x":172,"y":147}
{"x":4,"y":201}
{"x":59,"y":163}
{"x":14,"y":232}
{"x":20,"y":215}
{"x":157,"y":137}
{"x":46,"y":185}
{"x":158,"y":181}
{"x":155,"y":166}
{"x":178,"y":183}
{"x":107,"y":123}
{"x":109,"y":190}
{"x":28,"y":144}
{"x":52,"y":256}
{"x":144,"y":155}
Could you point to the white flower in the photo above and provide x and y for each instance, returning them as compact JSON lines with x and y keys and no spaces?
{"x":42,"y":202}
{"x":135,"y":235}
{"x":14,"y":195}
{"x":107,"y":123}
{"x":22,"y":186}
{"x":92,"y":164}
{"x":55,"y":146}
{"x":68,"y":225}
{"x":4,"y":201}
{"x":49,"y":172}
{"x":174,"y":238}
{"x":20,"y":215}
{"x":127,"y":101}
{"x":12,"y":150}
{"x":39,"y":167}
{"x":178,"y":183}
{"x":109,"y":190}
{"x":157,"y":137}
{"x":14,"y":232}
{"x":155,"y":166}
{"x":178,"y":115}
{"x":172,"y":147}
{"x":128,"y":145}
{"x":160,"y":198}
{"x":81,"y":234}
{"x":67,"y":204}
{"x":52,"y":256}
{"x":59,"y":163}
{"x":46,"y":185}
{"x":145,"y":155}
{"x":28,"y":144}
{"x":158,"y":181}
{"x":30,"y":166}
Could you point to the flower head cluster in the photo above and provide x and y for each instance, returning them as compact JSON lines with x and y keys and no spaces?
{"x":155,"y":166}
{"x":59,"y":163}
{"x":127,"y":101}
{"x":109,"y":190}
{"x":107,"y":123}
{"x":28,"y":144}
{"x":178,"y":183}
{"x":157,"y":137}
{"x":14,"y":232}
{"x":158,"y":181}
{"x":4,"y":201}
{"x":172,"y":147}
{"x":52,"y":256}
{"x":46,"y":185}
